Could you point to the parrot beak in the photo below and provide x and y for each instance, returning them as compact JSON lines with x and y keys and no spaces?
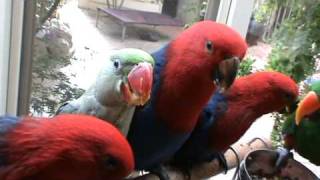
{"x":226,"y":72}
{"x":309,"y":104}
{"x":137,"y":90}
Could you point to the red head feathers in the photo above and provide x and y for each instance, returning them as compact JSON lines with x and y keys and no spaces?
{"x":202,"y":54}
{"x":65,"y":147}
{"x":249,"y":98}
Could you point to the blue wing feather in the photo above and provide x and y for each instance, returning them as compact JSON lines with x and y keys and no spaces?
{"x":7,"y":123}
{"x":150,"y":140}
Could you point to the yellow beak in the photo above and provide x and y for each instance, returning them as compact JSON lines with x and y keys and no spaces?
{"x":309,"y":104}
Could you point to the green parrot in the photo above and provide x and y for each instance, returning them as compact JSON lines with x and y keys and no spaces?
{"x":124,"y":81}
{"x":302,"y":129}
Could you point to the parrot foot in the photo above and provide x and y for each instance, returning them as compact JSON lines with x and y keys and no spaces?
{"x":283,"y":156}
{"x":186,"y":171}
{"x":161,"y":172}
{"x":222,"y":161}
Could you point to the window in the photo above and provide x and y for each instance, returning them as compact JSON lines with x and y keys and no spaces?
{"x":11,"y":18}
{"x":4,"y":42}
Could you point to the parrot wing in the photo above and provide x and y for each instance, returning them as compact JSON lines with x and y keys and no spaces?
{"x":196,"y":148}
{"x":6,"y":124}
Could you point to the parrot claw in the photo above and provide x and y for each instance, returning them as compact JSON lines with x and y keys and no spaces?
{"x":283,"y":156}
{"x":186,"y":171}
{"x":161,"y":172}
{"x":187,"y":174}
{"x":223,"y":162}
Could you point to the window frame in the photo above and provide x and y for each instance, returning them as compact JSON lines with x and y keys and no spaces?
{"x":28,"y":31}
{"x":5,"y":33}
{"x":16,"y":38}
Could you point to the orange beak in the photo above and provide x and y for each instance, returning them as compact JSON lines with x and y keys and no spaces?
{"x":309,"y":104}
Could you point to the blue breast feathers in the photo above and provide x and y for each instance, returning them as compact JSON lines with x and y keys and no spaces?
{"x":196,"y":149}
{"x":151,"y":141}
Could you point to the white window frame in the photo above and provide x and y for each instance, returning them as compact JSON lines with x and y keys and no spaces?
{"x":235,"y":13}
{"x":240,"y":14}
{"x":5,"y":28}
{"x":11,"y":20}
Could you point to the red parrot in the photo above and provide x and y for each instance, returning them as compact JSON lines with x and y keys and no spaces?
{"x":184,"y":74}
{"x":65,"y":147}
{"x":228,"y":116}
{"x":249,"y":98}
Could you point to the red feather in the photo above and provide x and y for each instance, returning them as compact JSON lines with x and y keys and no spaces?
{"x":187,"y":84}
{"x":66,"y":147}
{"x":249,"y":98}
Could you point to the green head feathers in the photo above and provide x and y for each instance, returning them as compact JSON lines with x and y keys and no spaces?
{"x":127,"y":58}
{"x":133,"y":56}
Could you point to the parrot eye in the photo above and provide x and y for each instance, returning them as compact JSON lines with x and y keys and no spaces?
{"x":209,"y":46}
{"x":288,"y":96}
{"x":110,"y":163}
{"x":116,"y":64}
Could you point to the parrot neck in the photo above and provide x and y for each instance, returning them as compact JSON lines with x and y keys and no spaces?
{"x":183,"y":92}
{"x":231,"y":126}
{"x":107,"y":93}
{"x":243,"y":110}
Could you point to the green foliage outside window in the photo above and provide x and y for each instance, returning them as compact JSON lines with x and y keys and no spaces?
{"x":246,"y":67}
{"x":295,"y":44}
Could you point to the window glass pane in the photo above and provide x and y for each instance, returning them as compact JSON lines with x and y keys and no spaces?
{"x":74,"y":38}
{"x":70,"y":43}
